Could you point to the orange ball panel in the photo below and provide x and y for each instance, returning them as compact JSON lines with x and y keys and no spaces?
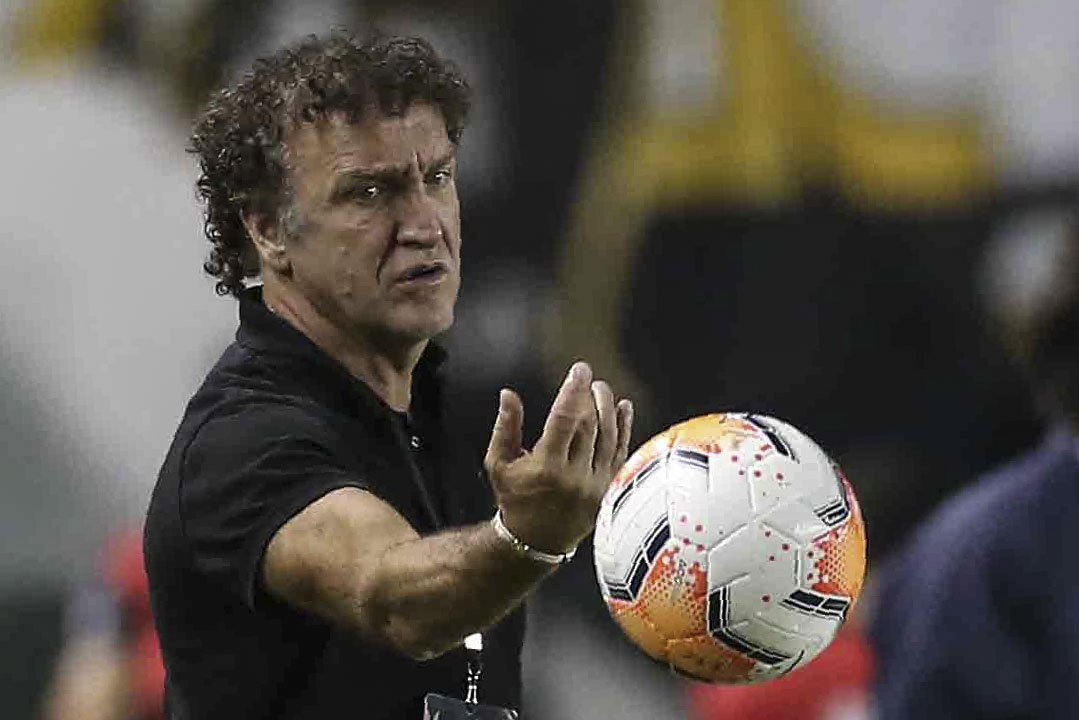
{"x":674,"y":596}
{"x":713,"y":433}
{"x":706,"y":659}
{"x":655,"y":448}
{"x":667,"y":621}
{"x":640,"y":630}
{"x":841,"y":566}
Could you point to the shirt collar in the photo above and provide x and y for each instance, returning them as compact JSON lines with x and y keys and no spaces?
{"x":263,"y":331}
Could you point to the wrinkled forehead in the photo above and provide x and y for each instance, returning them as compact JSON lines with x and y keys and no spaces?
{"x":374,"y":141}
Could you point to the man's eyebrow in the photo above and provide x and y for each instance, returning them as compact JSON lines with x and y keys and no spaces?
{"x":441,"y":162}
{"x":347,"y":181}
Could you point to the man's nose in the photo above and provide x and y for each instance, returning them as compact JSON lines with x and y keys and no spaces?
{"x":418,"y":223}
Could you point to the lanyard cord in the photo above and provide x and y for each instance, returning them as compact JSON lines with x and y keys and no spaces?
{"x":474,"y":653}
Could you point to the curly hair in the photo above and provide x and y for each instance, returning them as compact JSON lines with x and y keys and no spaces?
{"x":240,"y":137}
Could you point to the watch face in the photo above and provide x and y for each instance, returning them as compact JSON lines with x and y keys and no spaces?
{"x":440,"y":707}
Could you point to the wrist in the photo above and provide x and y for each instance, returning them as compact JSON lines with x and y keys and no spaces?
{"x":524,"y":549}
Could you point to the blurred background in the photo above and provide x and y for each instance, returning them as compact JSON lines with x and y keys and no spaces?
{"x":831,"y":212}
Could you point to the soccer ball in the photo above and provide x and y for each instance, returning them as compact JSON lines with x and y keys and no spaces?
{"x":731,"y":548}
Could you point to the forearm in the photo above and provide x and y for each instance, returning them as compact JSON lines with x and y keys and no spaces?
{"x":351,"y":558}
{"x":424,"y":596}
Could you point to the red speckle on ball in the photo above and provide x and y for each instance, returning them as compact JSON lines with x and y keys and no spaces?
{"x":772,"y":558}
{"x":758,"y":456}
{"x":779,"y":476}
{"x":685,"y":541}
{"x":682,"y":519}
{"x":767,"y":533}
{"x":699,"y":528}
{"x":786,"y":546}
{"x":766,"y":598}
{"x":734,"y":458}
{"x":756,"y":473}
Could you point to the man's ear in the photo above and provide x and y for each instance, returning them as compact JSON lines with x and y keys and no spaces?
{"x":269,"y":242}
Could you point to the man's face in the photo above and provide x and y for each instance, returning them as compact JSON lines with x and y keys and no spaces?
{"x":376,"y":238}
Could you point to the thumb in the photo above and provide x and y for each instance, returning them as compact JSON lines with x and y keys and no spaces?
{"x":505,"y":443}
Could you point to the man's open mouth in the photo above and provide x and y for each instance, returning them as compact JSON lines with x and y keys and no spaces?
{"x":423,"y":272}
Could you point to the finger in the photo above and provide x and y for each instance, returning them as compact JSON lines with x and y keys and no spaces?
{"x":566,"y":412}
{"x":607,"y":428}
{"x":505,"y":445}
{"x":583,"y":446}
{"x":625,"y":430}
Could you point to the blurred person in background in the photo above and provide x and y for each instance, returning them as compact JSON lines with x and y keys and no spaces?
{"x":315,"y":544}
{"x":978,"y":617}
{"x":110,"y":664}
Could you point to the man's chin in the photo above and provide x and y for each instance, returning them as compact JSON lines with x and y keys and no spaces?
{"x":420,"y":329}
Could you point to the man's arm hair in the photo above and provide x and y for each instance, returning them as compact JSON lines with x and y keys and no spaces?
{"x":351,"y":558}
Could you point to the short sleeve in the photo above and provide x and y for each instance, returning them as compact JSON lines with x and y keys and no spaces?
{"x":244,"y":475}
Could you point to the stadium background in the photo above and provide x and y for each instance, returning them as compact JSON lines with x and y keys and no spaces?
{"x":826,"y":211}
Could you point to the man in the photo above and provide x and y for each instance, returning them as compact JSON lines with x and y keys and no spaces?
{"x":315,"y":548}
{"x":979,"y":616}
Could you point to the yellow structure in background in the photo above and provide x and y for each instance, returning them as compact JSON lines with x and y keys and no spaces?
{"x":780,"y":120}
{"x":47,"y":30}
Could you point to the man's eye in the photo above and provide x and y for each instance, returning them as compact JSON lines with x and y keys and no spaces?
{"x":440,"y":178}
{"x":368,"y":193}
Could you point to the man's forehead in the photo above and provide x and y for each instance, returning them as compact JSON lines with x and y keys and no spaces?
{"x":375,"y":139}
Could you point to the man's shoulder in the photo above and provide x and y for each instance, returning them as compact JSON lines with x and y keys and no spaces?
{"x":1015,"y":497}
{"x":1005,"y":522}
{"x":246,"y":396}
{"x":243,"y":380}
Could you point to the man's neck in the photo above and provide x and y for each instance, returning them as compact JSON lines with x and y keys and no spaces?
{"x":387,"y":373}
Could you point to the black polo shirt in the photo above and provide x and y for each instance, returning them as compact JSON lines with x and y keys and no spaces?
{"x":276,"y":425}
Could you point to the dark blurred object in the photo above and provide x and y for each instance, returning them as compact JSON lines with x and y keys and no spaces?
{"x":1044,"y":330}
{"x":30,"y":628}
{"x":978,"y":616}
{"x":440,"y":707}
{"x":860,"y":326}
{"x":759,"y":229}
{"x":215,"y":35}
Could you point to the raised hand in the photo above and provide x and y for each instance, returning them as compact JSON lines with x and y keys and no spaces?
{"x":549,"y":496}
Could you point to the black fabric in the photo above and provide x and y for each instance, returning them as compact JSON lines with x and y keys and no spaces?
{"x":276,"y":425}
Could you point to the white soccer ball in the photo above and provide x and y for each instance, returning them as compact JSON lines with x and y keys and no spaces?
{"x":730,"y":547}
